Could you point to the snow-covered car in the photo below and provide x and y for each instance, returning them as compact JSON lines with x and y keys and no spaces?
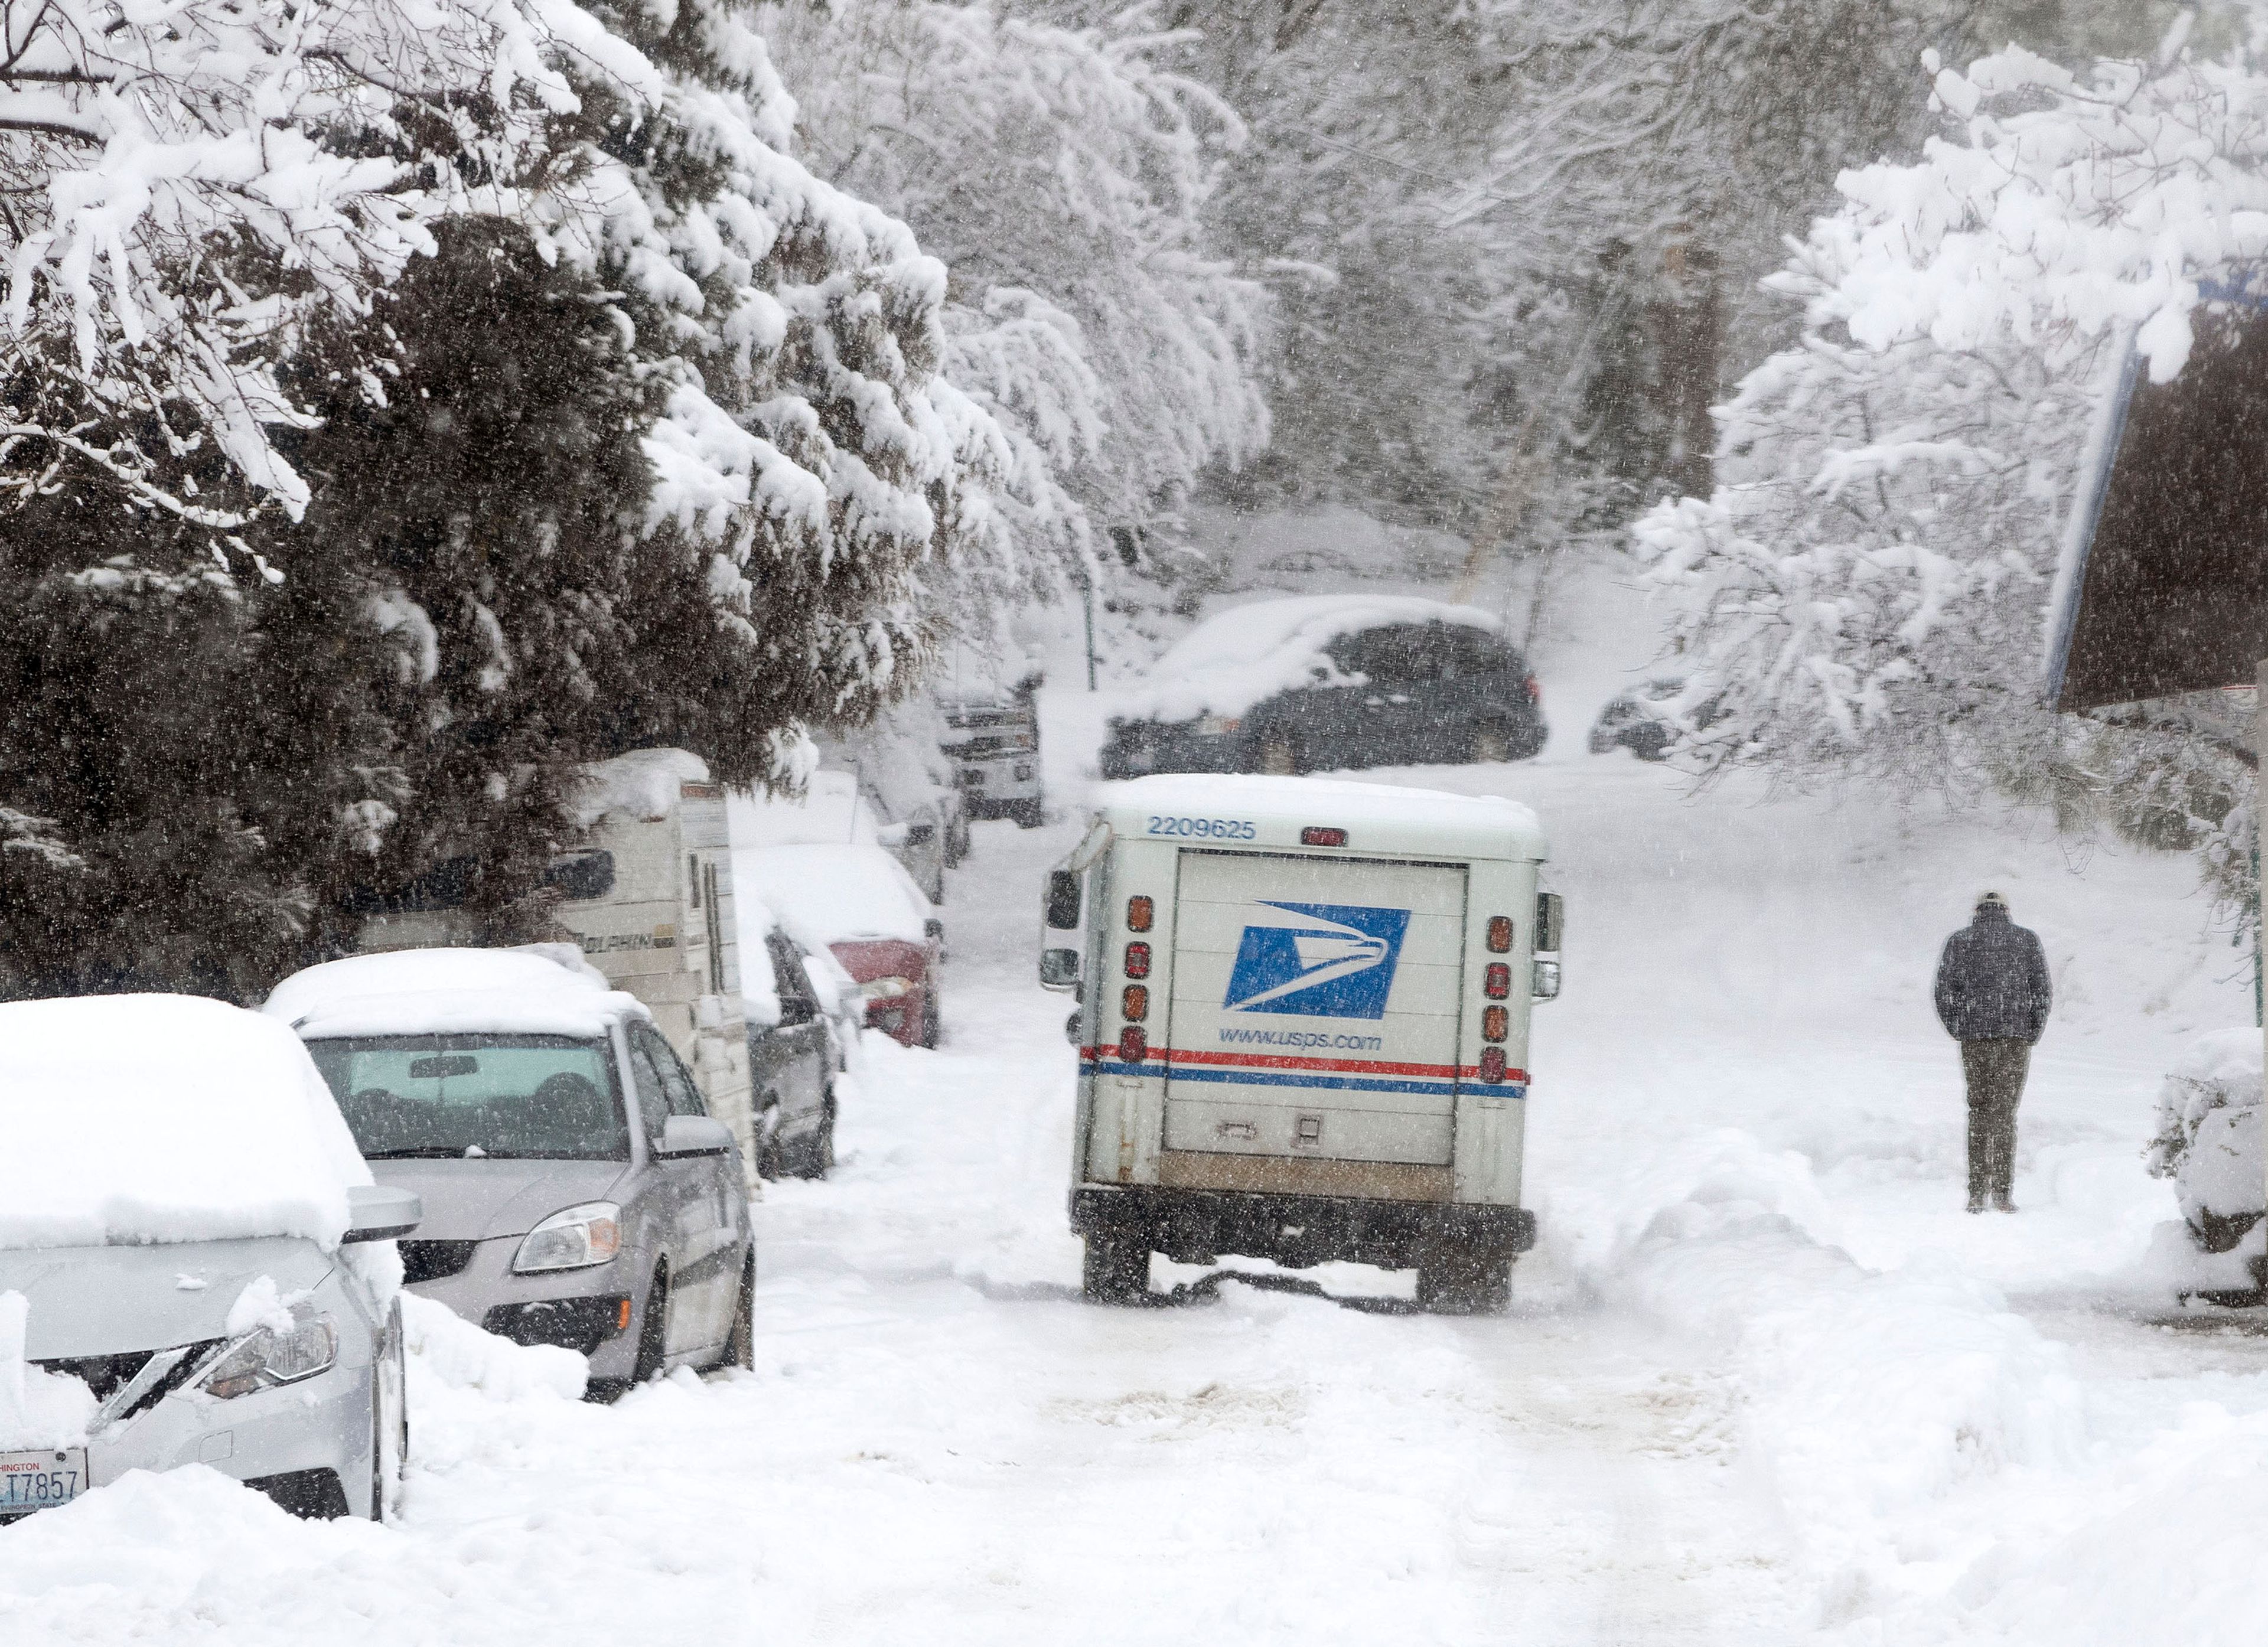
{"x":195,"y":1265}
{"x":1330,"y":681}
{"x":576,"y":1192}
{"x":803,"y":1011}
{"x":994,"y":745}
{"x":1647,"y":719}
{"x":858,"y":904}
{"x":2208,"y":1141}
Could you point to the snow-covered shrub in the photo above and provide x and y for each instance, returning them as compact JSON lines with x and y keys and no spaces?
{"x":2208,"y":1137}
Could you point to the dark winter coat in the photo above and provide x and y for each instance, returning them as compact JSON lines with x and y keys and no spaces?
{"x":1993,"y":983}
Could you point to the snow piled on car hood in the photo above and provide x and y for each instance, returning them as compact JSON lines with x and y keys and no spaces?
{"x":832,"y":895}
{"x":449,"y":992}
{"x":38,"y":1409}
{"x":164,"y":1118}
{"x":1235,"y":659}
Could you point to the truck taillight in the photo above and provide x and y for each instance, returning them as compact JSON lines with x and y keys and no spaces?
{"x":1141,"y":912}
{"x":1315,"y":835}
{"x":1499,"y":935}
{"x":1134,"y":1045}
{"x":1134,"y":1001}
{"x":1492,"y":1063}
{"x":1496,"y":982}
{"x":1137,"y":960}
{"x":1495,"y":1023}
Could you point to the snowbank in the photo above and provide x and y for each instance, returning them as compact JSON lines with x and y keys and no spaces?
{"x":1870,"y":1395}
{"x":159,"y":1118}
{"x":448,"y":991}
{"x":467,"y":1357}
{"x":1232,"y":661}
{"x":643,"y":783}
{"x":832,"y":895}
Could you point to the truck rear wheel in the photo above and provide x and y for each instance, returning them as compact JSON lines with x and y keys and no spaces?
{"x":1455,"y":1283}
{"x":1117,"y":1269}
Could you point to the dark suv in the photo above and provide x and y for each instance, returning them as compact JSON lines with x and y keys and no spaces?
{"x":1432,"y":691}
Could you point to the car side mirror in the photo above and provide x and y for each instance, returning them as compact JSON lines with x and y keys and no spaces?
{"x":1550,"y":920}
{"x":795,"y":1012}
{"x":1545,"y":984}
{"x":1059,"y":969}
{"x":919,"y":834}
{"x":377,"y":1212}
{"x":684,"y":1135}
{"x":933,"y":928}
{"x":891,"y":836}
{"x":1063,"y":900}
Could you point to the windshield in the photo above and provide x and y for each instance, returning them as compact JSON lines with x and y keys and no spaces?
{"x":528,"y":1096}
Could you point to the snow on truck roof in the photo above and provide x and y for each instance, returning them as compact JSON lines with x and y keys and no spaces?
{"x":448,"y":992}
{"x":1235,"y":659}
{"x":1469,"y":825}
{"x":141,"y":1119}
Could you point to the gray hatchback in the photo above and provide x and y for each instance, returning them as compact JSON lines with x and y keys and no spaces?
{"x":576,"y":1191}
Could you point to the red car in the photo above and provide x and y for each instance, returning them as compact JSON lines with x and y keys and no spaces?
{"x":859,"y":904}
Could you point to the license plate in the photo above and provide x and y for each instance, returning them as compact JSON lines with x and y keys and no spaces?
{"x":40,"y":1479}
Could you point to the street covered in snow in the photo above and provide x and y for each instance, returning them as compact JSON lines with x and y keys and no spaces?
{"x":1762,"y":1381}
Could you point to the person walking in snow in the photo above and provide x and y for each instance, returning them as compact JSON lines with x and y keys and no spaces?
{"x":1992,"y":996}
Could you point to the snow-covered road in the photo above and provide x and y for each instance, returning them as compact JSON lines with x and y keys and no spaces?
{"x":1763,"y":1381}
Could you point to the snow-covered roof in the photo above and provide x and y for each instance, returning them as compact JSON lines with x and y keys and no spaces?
{"x":1235,"y":659}
{"x":1376,"y":816}
{"x":448,"y":991}
{"x":833,"y":894}
{"x":129,"y":1119}
{"x":643,"y":783}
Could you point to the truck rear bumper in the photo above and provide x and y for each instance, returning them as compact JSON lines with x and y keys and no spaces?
{"x":1195,"y":1227}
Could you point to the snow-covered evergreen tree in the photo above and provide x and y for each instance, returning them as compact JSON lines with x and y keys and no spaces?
{"x":645,"y":440}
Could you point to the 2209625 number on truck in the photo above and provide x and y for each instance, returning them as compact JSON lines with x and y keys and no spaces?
{"x":1303,"y":1027}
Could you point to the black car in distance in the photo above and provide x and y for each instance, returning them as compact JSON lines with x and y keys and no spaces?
{"x":1318,"y":685}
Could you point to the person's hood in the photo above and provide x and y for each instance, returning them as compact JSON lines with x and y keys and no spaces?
{"x":1991,"y":915}
{"x":111,"y":1300}
{"x":484,"y":1198}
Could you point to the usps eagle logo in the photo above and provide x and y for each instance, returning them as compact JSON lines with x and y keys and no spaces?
{"x":1318,"y":960}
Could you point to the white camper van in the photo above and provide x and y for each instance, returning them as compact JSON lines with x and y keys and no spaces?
{"x":648,"y":899}
{"x":1302,"y":1027}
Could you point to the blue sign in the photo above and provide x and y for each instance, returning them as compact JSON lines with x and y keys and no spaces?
{"x":1317,"y":959}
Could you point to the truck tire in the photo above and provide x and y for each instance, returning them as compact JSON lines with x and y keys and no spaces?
{"x":1117,"y":1269}
{"x":1028,"y":814}
{"x":1490,"y":742}
{"x":1452,"y":1282}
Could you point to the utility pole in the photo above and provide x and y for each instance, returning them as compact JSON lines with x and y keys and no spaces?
{"x":1087,"y":598}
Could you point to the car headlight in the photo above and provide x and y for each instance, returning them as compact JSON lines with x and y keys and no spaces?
{"x":886,"y":988}
{"x":574,"y":1238}
{"x":265,"y":1358}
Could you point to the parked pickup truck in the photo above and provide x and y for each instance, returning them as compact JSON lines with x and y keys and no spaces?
{"x":1302,"y":1027}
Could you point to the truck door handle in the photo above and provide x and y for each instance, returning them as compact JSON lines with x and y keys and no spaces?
{"x":1238,"y":1129}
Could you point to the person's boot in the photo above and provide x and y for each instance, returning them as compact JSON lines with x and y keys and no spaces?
{"x":2000,"y":1201}
{"x":1976,"y":1203}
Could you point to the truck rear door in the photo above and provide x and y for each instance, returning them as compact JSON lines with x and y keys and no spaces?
{"x":1314,"y":1008}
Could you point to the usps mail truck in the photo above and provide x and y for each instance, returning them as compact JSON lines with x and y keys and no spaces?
{"x":1303,"y":1027}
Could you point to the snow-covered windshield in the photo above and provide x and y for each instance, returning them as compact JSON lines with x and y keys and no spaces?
{"x":525,"y":1097}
